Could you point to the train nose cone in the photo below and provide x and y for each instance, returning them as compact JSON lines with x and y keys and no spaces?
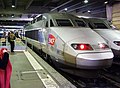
{"x":94,"y":60}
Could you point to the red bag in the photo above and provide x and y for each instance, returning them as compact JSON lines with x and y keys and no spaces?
{"x":5,"y":74}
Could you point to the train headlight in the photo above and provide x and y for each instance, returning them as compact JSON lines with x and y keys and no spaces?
{"x":103,"y":46}
{"x":82,"y":46}
{"x":117,"y":43}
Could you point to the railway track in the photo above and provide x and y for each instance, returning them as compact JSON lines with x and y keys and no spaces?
{"x":108,"y":78}
{"x":104,"y":80}
{"x":100,"y":82}
{"x":112,"y":74}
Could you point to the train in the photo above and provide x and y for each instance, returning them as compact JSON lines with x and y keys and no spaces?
{"x":1,"y":33}
{"x":68,"y":41}
{"x":104,"y":29}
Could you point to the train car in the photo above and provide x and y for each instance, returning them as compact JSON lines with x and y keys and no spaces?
{"x":104,"y":29}
{"x":1,"y":33}
{"x":65,"y":39}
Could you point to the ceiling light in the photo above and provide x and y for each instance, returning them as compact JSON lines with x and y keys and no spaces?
{"x":85,"y":1}
{"x":13,"y":6}
{"x":106,"y":2}
{"x":88,"y":11}
{"x":65,"y":9}
{"x":12,"y":15}
{"x":2,"y":15}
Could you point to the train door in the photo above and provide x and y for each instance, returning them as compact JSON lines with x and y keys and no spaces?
{"x":51,"y":39}
{"x":45,"y":33}
{"x":56,"y":45}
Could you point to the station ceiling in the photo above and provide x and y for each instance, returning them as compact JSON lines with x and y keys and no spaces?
{"x":19,"y":12}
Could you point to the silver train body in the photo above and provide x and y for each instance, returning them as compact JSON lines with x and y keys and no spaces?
{"x":111,"y":36}
{"x":67,"y":40}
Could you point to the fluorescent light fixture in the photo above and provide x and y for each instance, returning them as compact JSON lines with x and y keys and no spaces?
{"x":83,"y":17}
{"x":12,"y":26}
{"x":85,"y":1}
{"x":16,"y":19}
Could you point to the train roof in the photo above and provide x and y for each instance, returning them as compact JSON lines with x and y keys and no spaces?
{"x":98,"y":21}
{"x":60,"y":15}
{"x":53,"y":16}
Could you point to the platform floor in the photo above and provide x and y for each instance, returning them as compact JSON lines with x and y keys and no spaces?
{"x":22,"y":77}
{"x":33,"y":72}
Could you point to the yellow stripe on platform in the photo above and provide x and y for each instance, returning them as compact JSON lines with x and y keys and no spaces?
{"x":47,"y":81}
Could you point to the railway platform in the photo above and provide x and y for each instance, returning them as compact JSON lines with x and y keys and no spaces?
{"x":31,"y":71}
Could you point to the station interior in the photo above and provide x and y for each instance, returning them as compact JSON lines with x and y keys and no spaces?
{"x":60,"y":43}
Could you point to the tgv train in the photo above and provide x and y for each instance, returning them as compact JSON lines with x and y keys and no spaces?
{"x":65,"y":39}
{"x":103,"y":28}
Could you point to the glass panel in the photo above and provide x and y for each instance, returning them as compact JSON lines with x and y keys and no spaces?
{"x":46,"y":24}
{"x":100,"y":25}
{"x":80,"y":23}
{"x":51,"y":23}
{"x":63,"y":22}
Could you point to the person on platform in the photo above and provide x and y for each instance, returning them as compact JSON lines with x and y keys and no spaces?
{"x":17,"y":34}
{"x":11,"y":39}
{"x":5,"y":69}
{"x":4,"y":38}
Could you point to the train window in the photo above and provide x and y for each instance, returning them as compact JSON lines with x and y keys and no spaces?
{"x":100,"y":25}
{"x":41,"y":36}
{"x":63,"y":22}
{"x":80,"y":23}
{"x":46,"y":24}
{"x":27,"y":24}
{"x":51,"y":23}
{"x":39,"y":18}
{"x":33,"y":21}
{"x":90,"y":25}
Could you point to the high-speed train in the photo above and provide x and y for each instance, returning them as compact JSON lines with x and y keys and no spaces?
{"x":103,"y":28}
{"x":65,"y":39}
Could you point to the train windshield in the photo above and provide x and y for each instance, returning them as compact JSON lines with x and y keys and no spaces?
{"x":64,"y":22}
{"x":100,"y":25}
{"x":80,"y":23}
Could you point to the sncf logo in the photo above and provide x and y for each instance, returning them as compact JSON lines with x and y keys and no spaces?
{"x":51,"y":39}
